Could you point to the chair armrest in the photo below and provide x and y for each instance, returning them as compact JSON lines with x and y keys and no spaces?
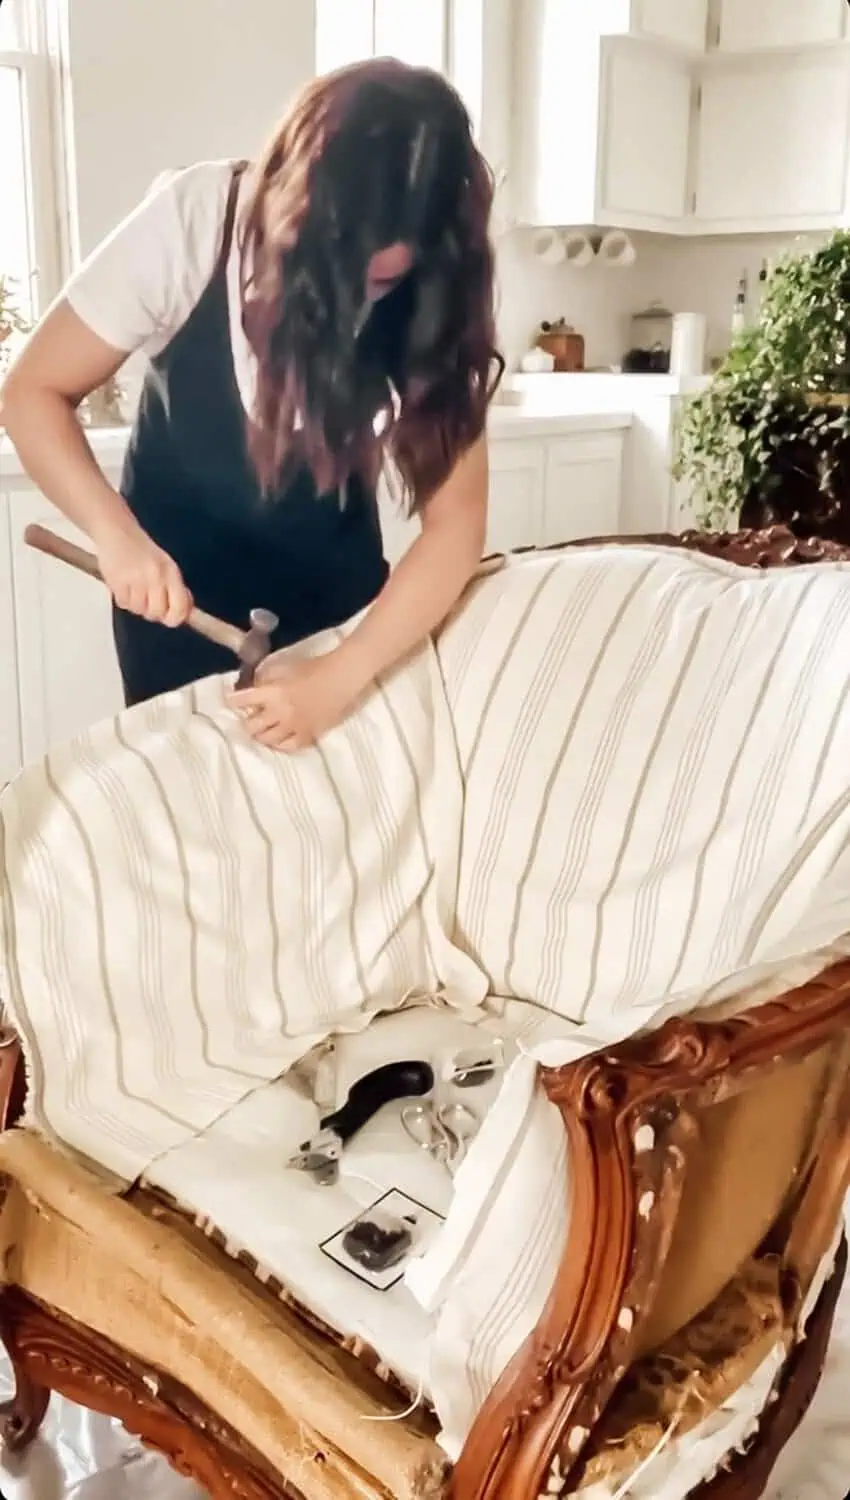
{"x":630,"y":1115}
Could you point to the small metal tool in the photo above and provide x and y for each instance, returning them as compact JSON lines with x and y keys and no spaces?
{"x":321,"y":1154}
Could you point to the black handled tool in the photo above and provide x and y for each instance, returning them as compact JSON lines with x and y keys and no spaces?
{"x":401,"y":1080}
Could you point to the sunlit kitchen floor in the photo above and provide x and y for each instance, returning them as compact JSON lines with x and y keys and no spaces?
{"x":84,"y":1457}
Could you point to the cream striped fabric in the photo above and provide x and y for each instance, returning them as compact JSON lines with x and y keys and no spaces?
{"x":618,"y":787}
{"x":184,"y":913}
{"x":654,"y":750}
{"x":656,"y":758}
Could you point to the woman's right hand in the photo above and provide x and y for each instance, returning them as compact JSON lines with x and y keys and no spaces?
{"x":142,"y":578}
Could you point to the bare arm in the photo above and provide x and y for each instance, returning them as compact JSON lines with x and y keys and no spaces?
{"x":430,"y":578}
{"x":295,"y":704}
{"x":61,"y":364}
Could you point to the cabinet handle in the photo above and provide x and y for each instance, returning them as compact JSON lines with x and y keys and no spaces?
{"x":46,"y":541}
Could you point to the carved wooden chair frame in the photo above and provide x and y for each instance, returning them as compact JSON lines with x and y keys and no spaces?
{"x":630,"y":1118}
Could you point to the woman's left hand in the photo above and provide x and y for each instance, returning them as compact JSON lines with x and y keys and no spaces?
{"x":298,"y":702}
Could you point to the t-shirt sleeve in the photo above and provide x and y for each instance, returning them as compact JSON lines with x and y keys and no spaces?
{"x":141,"y":283}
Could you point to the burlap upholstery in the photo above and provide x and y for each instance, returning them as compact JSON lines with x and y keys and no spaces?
{"x":691,"y":1375}
{"x":296,"y":1399}
{"x":740,"y":1170}
{"x":169,"y":1299}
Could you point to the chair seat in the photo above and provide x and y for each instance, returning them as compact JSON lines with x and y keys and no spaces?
{"x":232,"y":1181}
{"x":145,"y":1283}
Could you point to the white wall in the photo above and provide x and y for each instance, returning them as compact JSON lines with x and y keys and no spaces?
{"x":701,"y":275}
{"x":597,"y":301}
{"x":686,"y":275}
{"x":162,"y":83}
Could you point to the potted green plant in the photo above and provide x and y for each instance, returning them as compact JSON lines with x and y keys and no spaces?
{"x":12,"y":320}
{"x":768,"y":439}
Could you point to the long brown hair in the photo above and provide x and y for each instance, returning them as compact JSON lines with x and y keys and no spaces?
{"x":371,"y":156}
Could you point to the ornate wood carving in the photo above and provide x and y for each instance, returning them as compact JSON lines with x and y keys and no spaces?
{"x":768,"y":547}
{"x":50,"y":1353}
{"x":537,"y":1414}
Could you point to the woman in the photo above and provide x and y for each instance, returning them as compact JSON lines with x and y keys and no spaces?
{"x":305,"y":319}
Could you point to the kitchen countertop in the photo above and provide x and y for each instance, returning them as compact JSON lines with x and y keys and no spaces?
{"x":572,"y":392}
{"x":529,"y":419}
{"x":515,"y":417}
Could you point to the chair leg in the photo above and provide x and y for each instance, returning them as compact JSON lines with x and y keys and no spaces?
{"x":20,"y":1418}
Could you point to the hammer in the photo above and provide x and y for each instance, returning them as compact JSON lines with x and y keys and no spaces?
{"x":251,"y":646}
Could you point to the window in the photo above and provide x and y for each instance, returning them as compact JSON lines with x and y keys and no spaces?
{"x":449,"y":35}
{"x":28,"y":213}
{"x":417,"y":31}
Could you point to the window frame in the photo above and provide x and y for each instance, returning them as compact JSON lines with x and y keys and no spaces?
{"x":36,"y":63}
{"x":446,"y":62}
{"x":447,"y":7}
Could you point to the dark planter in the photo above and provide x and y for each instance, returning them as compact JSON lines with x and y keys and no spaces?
{"x":808,"y":488}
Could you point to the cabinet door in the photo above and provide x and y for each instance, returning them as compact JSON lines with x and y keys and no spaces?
{"x":516,"y":494}
{"x":646,"y":113}
{"x":68,"y":673}
{"x":10,"y":723}
{"x":772,"y":142}
{"x":584,"y":476}
{"x":684,"y":22}
{"x":746,"y":26}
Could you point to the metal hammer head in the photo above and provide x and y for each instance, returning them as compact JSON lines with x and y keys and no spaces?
{"x":256,"y":645}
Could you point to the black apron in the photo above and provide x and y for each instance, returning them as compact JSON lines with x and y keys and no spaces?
{"x":312,"y":559}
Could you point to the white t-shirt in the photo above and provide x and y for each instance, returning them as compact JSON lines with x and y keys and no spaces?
{"x":138,"y":288}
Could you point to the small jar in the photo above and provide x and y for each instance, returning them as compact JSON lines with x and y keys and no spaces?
{"x":651,"y":341}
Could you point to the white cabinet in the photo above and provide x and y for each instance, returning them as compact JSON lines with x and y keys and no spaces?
{"x":584,"y":485}
{"x":10,"y":723}
{"x":681,"y":116}
{"x":683,"y":22}
{"x":517,"y":470}
{"x":67,"y":672}
{"x":679,"y":23}
{"x":603,"y":124}
{"x":746,"y":25}
{"x":772,"y":142}
{"x":555,"y":489}
{"x":645,"y":109}
{"x":544,"y":490}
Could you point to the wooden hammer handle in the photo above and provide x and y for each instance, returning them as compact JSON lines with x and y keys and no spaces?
{"x":213,"y":629}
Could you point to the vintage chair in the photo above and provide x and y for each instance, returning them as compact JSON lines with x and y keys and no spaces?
{"x":709,"y":1166}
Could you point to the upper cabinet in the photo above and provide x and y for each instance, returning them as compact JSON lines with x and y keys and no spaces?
{"x":682,"y":22}
{"x":642,"y":148}
{"x":603,"y":124}
{"x":772,"y":139}
{"x":750,"y":26}
{"x":688,"y":117}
